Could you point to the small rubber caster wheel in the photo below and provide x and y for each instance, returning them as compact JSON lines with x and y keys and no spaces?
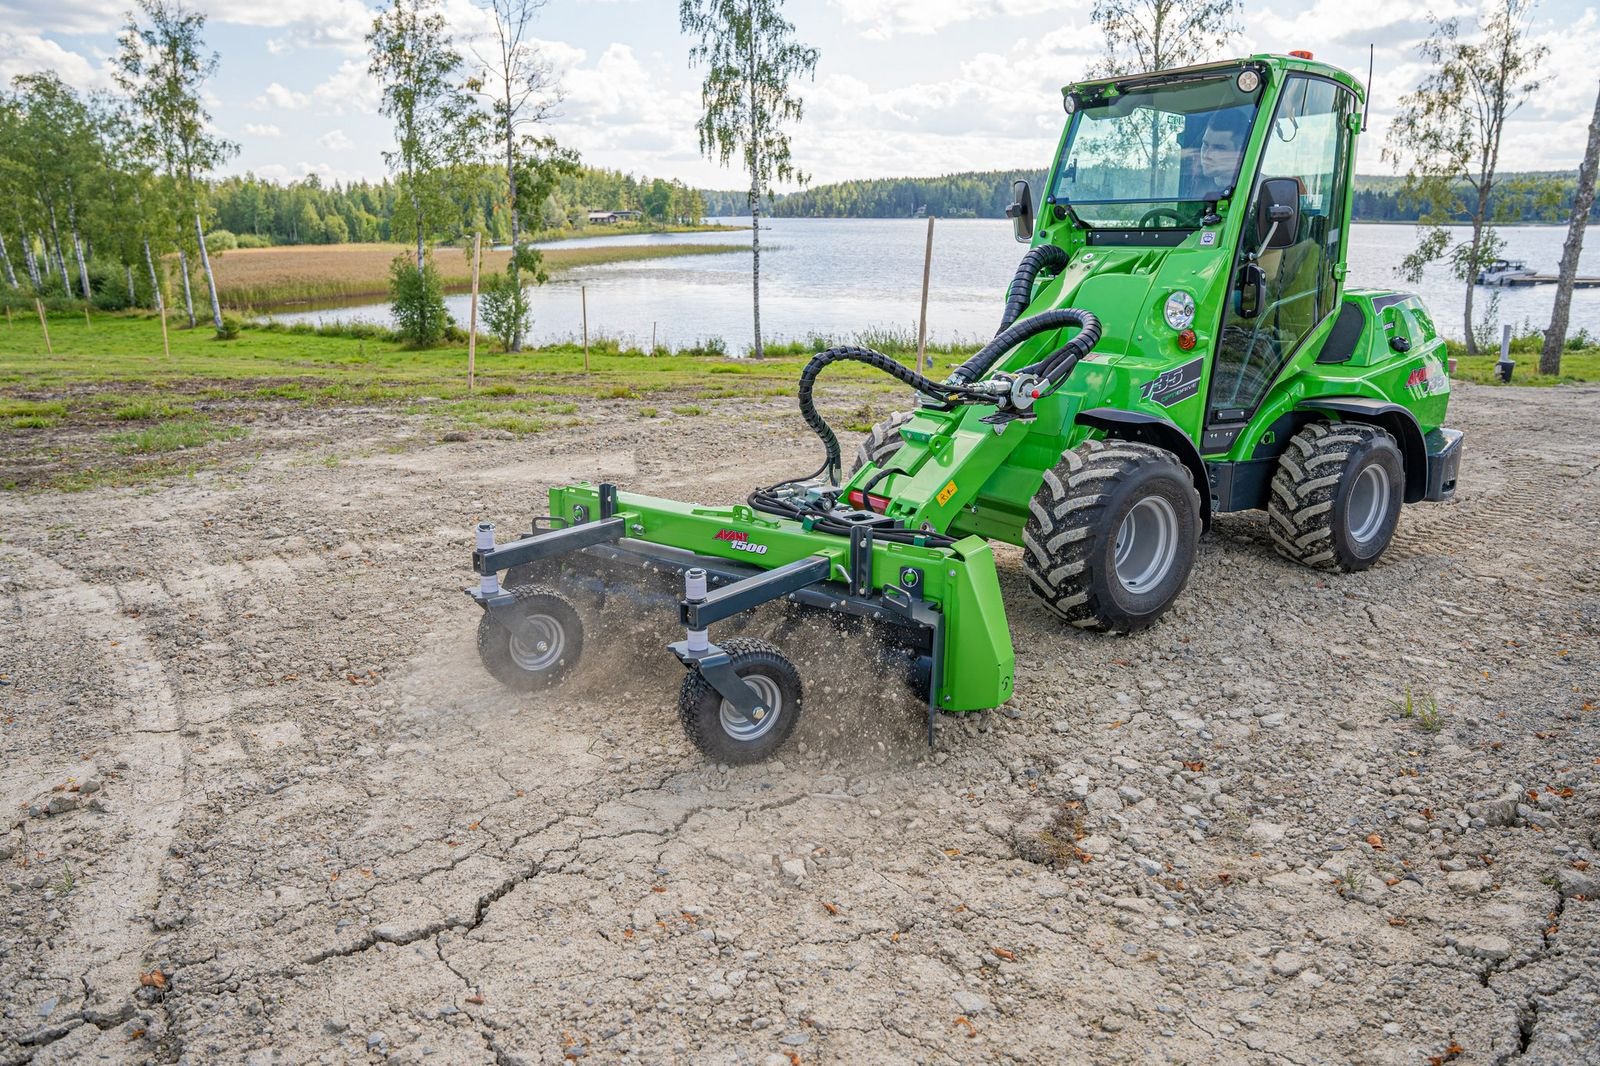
{"x":724,"y":733}
{"x":533,"y":644}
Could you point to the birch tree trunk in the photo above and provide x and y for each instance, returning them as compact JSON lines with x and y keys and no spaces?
{"x":83,"y":269}
{"x":32,"y":261}
{"x":1556,"y":336}
{"x":155,"y":283}
{"x":188,"y":297}
{"x":133,"y":295}
{"x":61,"y":260}
{"x":211,"y":280}
{"x":11,"y":275}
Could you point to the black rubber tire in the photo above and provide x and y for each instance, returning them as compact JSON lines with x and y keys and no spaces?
{"x":882,"y":441}
{"x":700,"y":705}
{"x":1070,"y":540}
{"x":1309,"y":510}
{"x":501,"y":631}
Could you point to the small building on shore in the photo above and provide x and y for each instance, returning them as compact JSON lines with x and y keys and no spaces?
{"x":611,"y":218}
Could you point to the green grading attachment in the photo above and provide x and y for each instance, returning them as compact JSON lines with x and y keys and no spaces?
{"x":1177,"y":343}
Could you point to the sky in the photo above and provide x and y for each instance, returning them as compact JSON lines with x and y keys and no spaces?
{"x":902,"y":87}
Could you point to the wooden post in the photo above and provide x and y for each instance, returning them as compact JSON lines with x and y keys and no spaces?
{"x":652,"y":338}
{"x":922,"y":318}
{"x":472,"y":330}
{"x":44,"y":326}
{"x":86,"y":323}
{"x":583,"y":293}
{"x":161,"y":308}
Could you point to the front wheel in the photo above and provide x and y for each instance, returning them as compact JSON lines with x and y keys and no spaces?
{"x":532,"y":644}
{"x":1111,"y":535}
{"x":723,"y":732}
{"x":1336,"y":496}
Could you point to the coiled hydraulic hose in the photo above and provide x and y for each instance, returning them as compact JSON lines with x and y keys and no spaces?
{"x":1045,"y":257}
{"x":820,"y":361}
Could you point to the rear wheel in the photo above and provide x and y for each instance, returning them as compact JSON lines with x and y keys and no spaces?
{"x":1337,"y":495}
{"x":723,"y":732}
{"x":1111,"y":535}
{"x":882,"y":442}
{"x":532,"y":644}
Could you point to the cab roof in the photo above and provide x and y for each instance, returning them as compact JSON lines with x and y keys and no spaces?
{"x":1268,"y":63}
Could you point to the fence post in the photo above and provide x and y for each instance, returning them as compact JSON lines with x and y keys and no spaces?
{"x":472,"y":330}
{"x":44,"y":326}
{"x":1503,"y":367}
{"x":922,"y":318}
{"x":583,"y":294}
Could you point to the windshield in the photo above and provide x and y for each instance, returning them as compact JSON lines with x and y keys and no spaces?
{"x":1151,"y":156}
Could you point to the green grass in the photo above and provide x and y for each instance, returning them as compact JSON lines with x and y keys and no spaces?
{"x":1577,"y":368}
{"x":173,"y":436}
{"x":145,"y":410}
{"x":1423,"y":712}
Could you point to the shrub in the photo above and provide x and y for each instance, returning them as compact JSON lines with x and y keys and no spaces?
{"x":229,"y":330}
{"x":252,"y":240}
{"x":505,"y":308}
{"x":416,"y":297}
{"x":221,"y":240}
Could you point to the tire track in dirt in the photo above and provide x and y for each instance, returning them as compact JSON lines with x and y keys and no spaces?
{"x":109,"y":924}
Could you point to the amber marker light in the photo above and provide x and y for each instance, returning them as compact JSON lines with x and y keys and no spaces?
{"x":1186,"y":340}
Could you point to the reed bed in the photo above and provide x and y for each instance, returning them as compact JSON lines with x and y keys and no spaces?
{"x":262,"y":278}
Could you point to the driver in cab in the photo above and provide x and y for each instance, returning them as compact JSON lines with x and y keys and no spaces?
{"x":1210,"y":167}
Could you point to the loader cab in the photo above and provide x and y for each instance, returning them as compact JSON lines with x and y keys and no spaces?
{"x":1236,"y":174}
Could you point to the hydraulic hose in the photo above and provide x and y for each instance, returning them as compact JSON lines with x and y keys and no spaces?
{"x":1045,"y":257}
{"x":1018,"y":332}
{"x":808,"y":380}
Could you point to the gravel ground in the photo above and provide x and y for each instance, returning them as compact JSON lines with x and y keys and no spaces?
{"x":265,"y":806}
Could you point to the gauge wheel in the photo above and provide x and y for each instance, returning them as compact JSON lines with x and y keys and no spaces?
{"x":723,"y":732}
{"x":533,"y":643}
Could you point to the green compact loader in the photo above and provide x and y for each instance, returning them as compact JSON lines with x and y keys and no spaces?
{"x":1177,"y":342}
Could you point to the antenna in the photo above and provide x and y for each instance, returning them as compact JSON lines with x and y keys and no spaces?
{"x":1366,"y":107}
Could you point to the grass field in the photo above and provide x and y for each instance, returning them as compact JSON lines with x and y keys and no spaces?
{"x":254,"y":279}
{"x":109,"y":408}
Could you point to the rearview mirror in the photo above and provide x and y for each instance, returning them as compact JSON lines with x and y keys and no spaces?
{"x":1278,"y":212}
{"x":1021,"y":210}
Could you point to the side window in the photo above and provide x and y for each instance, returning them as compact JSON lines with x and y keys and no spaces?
{"x":1306,"y":144}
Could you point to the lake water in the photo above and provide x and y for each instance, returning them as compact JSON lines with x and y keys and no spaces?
{"x":835,"y":277}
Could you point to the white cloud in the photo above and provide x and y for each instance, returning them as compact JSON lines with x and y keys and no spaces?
{"x":334,"y":141}
{"x":284,"y":99}
{"x":22,"y":53}
{"x":257,"y":129}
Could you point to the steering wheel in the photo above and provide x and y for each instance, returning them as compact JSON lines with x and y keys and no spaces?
{"x":1161,"y":212}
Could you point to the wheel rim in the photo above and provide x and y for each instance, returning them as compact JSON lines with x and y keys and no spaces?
{"x":743,"y":727}
{"x":1368,"y":505}
{"x":1147,"y":543}
{"x":537,"y":643}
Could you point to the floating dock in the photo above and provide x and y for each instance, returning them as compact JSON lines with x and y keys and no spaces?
{"x":1549,"y":279}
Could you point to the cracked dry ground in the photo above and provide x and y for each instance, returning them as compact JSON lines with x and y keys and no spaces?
{"x":307,"y":827}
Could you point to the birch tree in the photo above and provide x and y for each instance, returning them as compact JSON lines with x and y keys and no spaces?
{"x":162,"y":67}
{"x":523,"y":91}
{"x":1448,"y":134}
{"x":1555,"y":338}
{"x":1142,"y":36}
{"x":436,"y":123}
{"x":751,"y":60}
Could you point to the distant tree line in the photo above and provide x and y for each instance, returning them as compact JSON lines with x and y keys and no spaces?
{"x":1536,"y":197}
{"x":260,"y":212}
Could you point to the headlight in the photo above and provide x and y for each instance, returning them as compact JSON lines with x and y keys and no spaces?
{"x":1070,"y":102}
{"x":1249,"y":81}
{"x":1179,"y":310}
